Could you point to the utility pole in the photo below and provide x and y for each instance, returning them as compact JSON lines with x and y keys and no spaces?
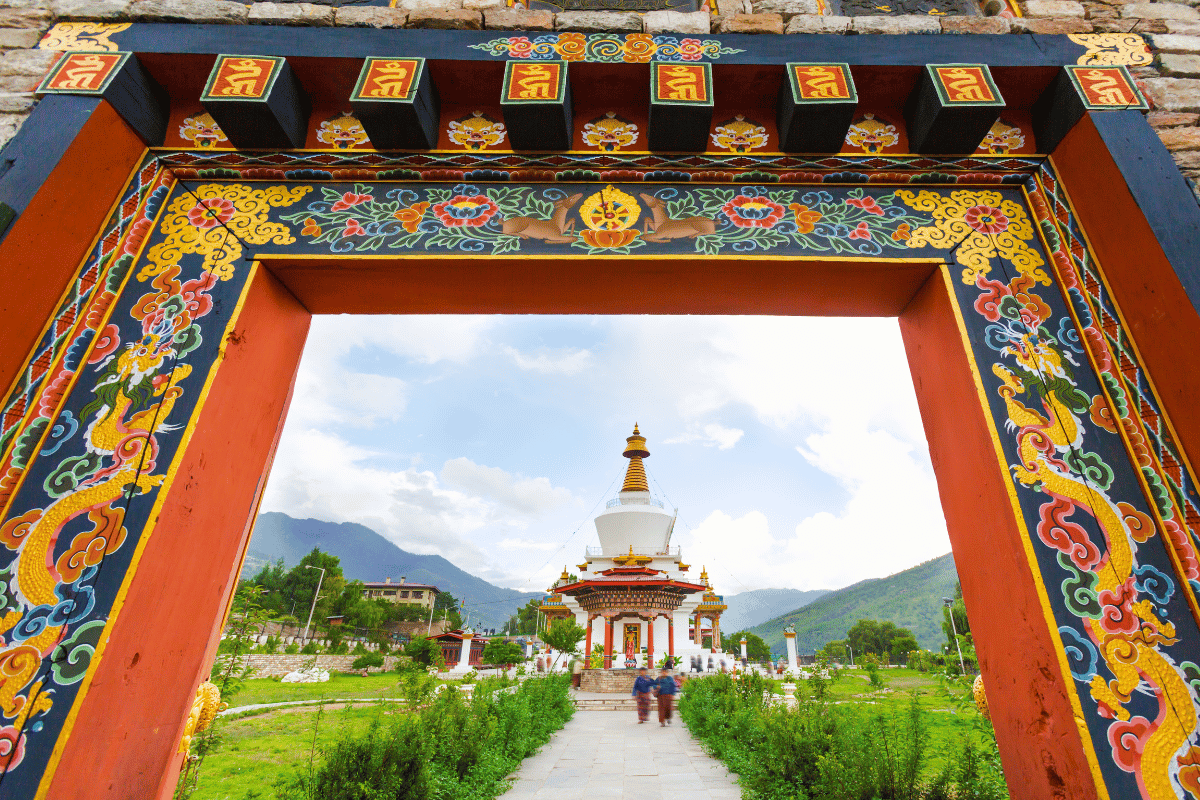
{"x":948,"y":603}
{"x":316,"y":594}
{"x":433,"y":605}
{"x":851,"y":649}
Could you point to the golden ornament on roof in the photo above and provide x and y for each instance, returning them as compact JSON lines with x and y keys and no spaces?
{"x":635,"y":451}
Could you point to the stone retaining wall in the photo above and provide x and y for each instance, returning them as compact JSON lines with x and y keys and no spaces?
{"x":616,"y":681}
{"x":276,"y":666}
{"x":1171,"y":29}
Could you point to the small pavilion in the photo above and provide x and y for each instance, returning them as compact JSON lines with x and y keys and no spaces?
{"x":633,"y":592}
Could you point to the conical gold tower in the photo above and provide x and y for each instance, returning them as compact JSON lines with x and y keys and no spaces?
{"x":635,"y":451}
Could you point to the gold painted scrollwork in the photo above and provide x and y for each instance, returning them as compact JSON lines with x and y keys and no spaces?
{"x":69,"y":36}
{"x":1112,"y":49}
{"x":214,"y":219}
{"x":205,"y":707}
{"x":978,"y":226}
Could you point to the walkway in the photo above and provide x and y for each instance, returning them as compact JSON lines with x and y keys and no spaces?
{"x":608,"y":754}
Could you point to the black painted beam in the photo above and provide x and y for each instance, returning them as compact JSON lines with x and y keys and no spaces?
{"x":536,"y":101}
{"x":952,"y":109}
{"x":257,"y":101}
{"x":681,"y":106}
{"x":119,"y":78}
{"x":816,"y":107}
{"x":1074,"y":92}
{"x":30,"y":156}
{"x":1159,"y":189}
{"x":397,"y":103}
{"x":994,"y":50}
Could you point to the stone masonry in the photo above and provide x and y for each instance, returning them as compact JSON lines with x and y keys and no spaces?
{"x":608,"y":681}
{"x":276,"y":666}
{"x":1171,"y":28}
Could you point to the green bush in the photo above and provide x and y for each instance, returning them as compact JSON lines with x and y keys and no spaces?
{"x":292,"y":649}
{"x":368,"y":660}
{"x":451,"y":749}
{"x":832,"y":752}
{"x":310,"y":649}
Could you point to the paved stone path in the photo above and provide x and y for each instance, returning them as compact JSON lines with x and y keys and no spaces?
{"x":608,"y":754}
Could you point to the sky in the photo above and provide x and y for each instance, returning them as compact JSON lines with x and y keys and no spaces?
{"x":792,"y":446}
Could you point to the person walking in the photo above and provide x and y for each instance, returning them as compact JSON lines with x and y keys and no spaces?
{"x":666,"y":697}
{"x":642,"y":687}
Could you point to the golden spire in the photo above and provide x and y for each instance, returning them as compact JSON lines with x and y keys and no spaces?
{"x":564,"y":578}
{"x":635,"y":451}
{"x":704,"y":575}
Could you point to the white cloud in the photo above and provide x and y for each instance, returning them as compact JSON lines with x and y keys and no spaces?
{"x":516,"y":492}
{"x":711,"y":435}
{"x":526,"y":544}
{"x":548,"y":362}
{"x":736,"y":551}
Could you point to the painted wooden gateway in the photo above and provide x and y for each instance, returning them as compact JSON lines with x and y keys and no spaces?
{"x":184,"y":198}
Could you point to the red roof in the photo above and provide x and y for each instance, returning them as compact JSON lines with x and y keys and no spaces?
{"x":631,"y":576}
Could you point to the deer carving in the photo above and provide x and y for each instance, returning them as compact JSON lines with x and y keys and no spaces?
{"x":662,"y":228}
{"x":552,"y":230}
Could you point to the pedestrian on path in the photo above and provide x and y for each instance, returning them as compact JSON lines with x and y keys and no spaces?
{"x":642,"y":687}
{"x":666,"y":697}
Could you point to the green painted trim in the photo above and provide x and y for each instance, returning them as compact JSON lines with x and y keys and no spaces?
{"x":43,"y":89}
{"x":798,"y":100}
{"x":212,"y":76}
{"x":948,"y":103}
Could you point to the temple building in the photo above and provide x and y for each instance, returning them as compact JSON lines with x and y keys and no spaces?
{"x":634,"y":594}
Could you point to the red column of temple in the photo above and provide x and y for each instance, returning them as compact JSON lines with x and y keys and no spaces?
{"x":671,"y":636}
{"x":608,"y":642}
{"x":587,"y":648}
{"x":650,"y":643}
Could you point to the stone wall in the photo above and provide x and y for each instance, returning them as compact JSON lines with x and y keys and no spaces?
{"x":616,"y":681}
{"x":276,"y":666}
{"x":1172,"y":29}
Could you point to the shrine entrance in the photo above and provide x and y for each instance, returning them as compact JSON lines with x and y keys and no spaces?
{"x":1045,"y":311}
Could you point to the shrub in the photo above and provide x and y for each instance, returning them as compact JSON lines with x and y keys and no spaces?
{"x":359,"y":649}
{"x":310,"y":649}
{"x":292,"y":649}
{"x":366,"y":661}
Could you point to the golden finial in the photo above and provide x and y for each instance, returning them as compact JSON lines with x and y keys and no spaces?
{"x":565,"y":578}
{"x":704,"y":576}
{"x":635,"y":451}
{"x":632,"y":560}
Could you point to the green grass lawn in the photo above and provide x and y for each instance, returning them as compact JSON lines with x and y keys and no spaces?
{"x":256,"y":751}
{"x":269,"y":690}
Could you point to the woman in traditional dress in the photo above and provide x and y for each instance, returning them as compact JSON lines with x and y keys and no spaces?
{"x":642,"y":687}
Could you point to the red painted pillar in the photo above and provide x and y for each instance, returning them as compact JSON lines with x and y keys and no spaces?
{"x":587,"y":647}
{"x":671,"y":637}
{"x":608,"y":642}
{"x":650,"y":643}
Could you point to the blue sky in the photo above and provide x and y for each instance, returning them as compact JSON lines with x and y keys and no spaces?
{"x":792,"y":446}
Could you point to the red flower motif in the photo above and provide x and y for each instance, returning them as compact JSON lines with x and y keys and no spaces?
{"x":12,"y":748}
{"x":690,"y":49}
{"x":986,"y":219}
{"x":519,"y":47}
{"x":861,"y":232}
{"x":868,"y":205}
{"x":210,"y":212}
{"x":353,"y":229}
{"x":462,"y":210}
{"x":753,"y":212}
{"x":349,"y":200}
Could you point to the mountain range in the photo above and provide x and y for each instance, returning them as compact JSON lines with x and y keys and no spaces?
{"x":367,"y":556}
{"x":912,"y":599}
{"x":755,"y":607}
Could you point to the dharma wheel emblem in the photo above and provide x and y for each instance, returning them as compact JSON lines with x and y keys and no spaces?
{"x":609,"y":215}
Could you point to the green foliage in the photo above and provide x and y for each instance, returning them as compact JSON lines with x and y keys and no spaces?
{"x":821,"y":677}
{"x":292,"y":649}
{"x":923,"y":660}
{"x":959,"y":612}
{"x":498,"y":651}
{"x":368,"y":660}
{"x":879,"y":638}
{"x":756,"y":648}
{"x":451,"y":748}
{"x":821,"y":750}
{"x":310,"y":649}
{"x":911,"y":599}
{"x":871,"y":664}
{"x":425,"y":652}
{"x":564,"y":635}
{"x":524,"y":622}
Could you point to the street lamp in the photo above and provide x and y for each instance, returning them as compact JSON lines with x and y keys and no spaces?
{"x":851,"y":649}
{"x":308,"y":624}
{"x":948,"y":603}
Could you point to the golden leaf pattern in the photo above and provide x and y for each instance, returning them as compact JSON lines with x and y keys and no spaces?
{"x":1112,"y":49}
{"x":70,"y":36}
{"x":214,"y":220}
{"x":979,"y":225}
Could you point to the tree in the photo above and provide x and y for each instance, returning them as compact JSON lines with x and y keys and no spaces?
{"x":292,"y":593}
{"x":959,"y":610}
{"x":426,"y":652}
{"x":564,"y":636}
{"x":498,"y":651}
{"x":448,"y":605}
{"x":524,"y":622}
{"x":869,"y":636}
{"x":756,"y":648}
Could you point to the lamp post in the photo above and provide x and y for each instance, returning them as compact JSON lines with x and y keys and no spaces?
{"x":851,"y":649}
{"x":308,"y":624}
{"x":948,"y":603}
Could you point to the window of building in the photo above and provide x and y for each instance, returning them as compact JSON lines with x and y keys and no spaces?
{"x":418,"y":595}
{"x":391,"y":593}
{"x":404,"y":594}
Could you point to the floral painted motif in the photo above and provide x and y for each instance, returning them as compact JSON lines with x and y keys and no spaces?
{"x":739,"y":135}
{"x":610,"y":133}
{"x":753,"y":211}
{"x":202,"y":131}
{"x":213,"y":219}
{"x":634,"y":48}
{"x":343,"y":132}
{"x":872,"y":135}
{"x":477,"y":132}
{"x":472,"y":210}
